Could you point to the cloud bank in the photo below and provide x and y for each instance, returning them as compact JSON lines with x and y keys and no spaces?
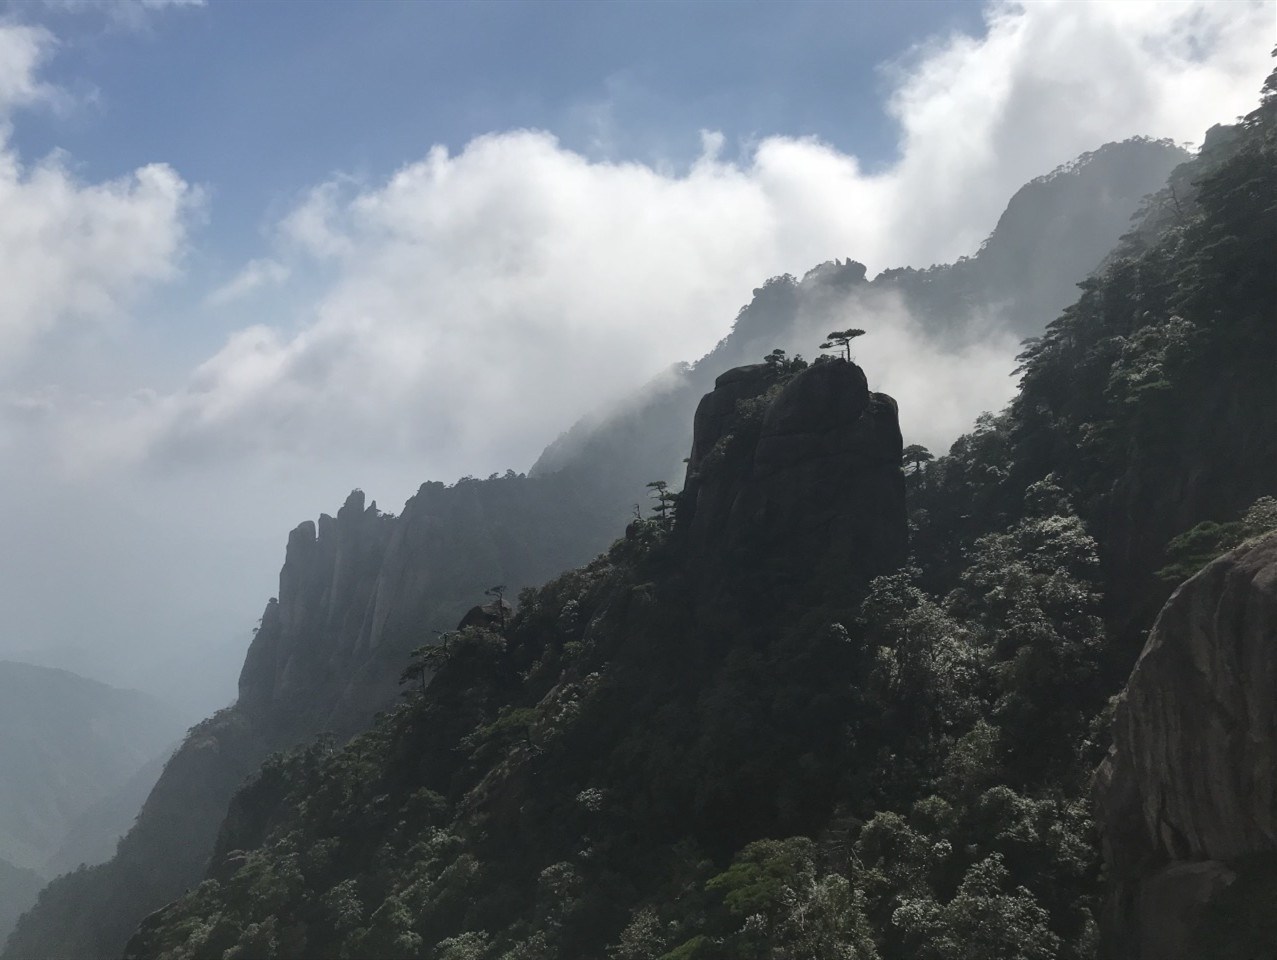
{"x":479,"y":302}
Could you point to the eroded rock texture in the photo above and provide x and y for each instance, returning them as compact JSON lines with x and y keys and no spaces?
{"x":1187,"y":791}
{"x":805,"y":474}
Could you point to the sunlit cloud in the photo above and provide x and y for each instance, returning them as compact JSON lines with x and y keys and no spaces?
{"x":23,"y":49}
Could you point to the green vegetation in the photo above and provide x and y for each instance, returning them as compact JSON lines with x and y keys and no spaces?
{"x":1151,"y":399}
{"x":665,"y":499}
{"x":1195,"y":548}
{"x":915,"y":455}
{"x":654,"y":759}
{"x":876,"y":775}
{"x":842,"y":340}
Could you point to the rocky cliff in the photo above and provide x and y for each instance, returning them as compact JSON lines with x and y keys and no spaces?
{"x":783,"y":480}
{"x":312,"y":637}
{"x":357,"y":592}
{"x":1187,"y":798}
{"x":661,"y":706}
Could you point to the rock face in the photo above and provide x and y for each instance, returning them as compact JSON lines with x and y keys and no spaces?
{"x":1189,"y":789}
{"x":806,"y":474}
{"x":357,"y":592}
{"x":308,"y":643}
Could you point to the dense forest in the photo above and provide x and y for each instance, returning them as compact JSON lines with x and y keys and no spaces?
{"x":815,"y":705}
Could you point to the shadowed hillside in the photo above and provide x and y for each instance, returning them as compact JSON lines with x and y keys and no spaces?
{"x":752,"y":730}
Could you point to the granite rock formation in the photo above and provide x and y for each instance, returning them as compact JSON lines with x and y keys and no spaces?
{"x":311,"y":638}
{"x":1189,"y":789}
{"x":806,"y":474}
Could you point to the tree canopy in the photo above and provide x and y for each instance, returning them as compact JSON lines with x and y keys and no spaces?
{"x":841,"y":339}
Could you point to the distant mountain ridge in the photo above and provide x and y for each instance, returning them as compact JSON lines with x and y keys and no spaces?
{"x":67,"y":744}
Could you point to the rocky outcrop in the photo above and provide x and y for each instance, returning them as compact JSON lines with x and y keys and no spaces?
{"x":1055,"y":231}
{"x":493,"y":615}
{"x":1189,"y":789}
{"x":806,"y":474}
{"x":357,"y":593}
{"x":307,"y":645}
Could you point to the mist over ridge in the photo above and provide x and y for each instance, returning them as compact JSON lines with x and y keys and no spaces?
{"x":449,"y":313}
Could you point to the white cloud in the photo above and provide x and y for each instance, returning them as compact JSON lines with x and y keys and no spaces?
{"x":22,"y":50}
{"x":1052,"y":79}
{"x":72,"y":252}
{"x":940,"y":387}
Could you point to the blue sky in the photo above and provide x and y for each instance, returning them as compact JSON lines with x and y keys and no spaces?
{"x":263,"y":96}
{"x":250,"y":253}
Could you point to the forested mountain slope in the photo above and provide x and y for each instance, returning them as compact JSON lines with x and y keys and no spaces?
{"x":1152,"y":399}
{"x":94,"y":834}
{"x":364,"y":588}
{"x":357,"y":593}
{"x":750,"y":730}
{"x":587,"y":743}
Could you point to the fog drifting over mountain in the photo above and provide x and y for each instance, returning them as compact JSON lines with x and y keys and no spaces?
{"x":453,"y":316}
